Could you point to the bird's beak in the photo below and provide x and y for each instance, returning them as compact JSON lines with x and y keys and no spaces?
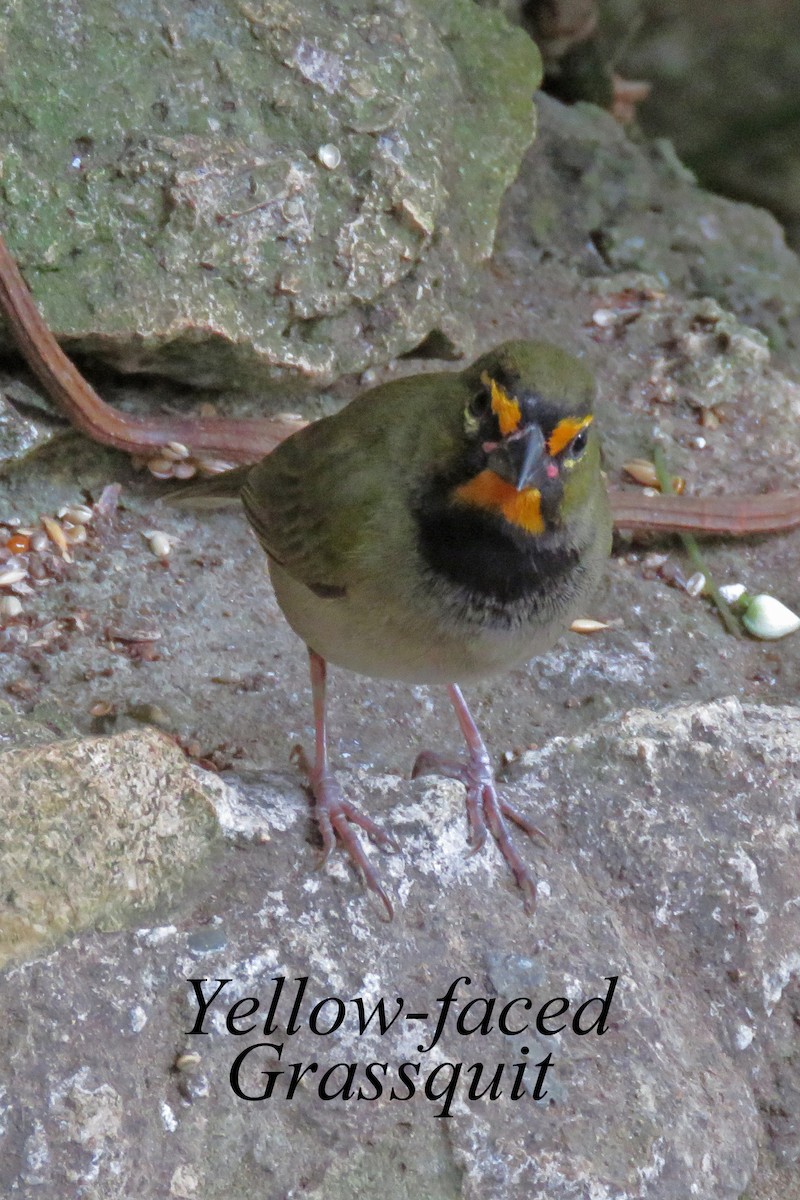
{"x":521,"y":458}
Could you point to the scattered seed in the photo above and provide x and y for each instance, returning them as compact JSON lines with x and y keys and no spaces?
{"x":39,"y":541}
{"x":56,"y":535}
{"x":19,"y":543}
{"x":184,"y":470}
{"x":709,"y":419}
{"x":10,"y":606}
{"x":9,"y":575}
{"x":11,"y":522}
{"x":79,"y":514}
{"x":160,"y":543}
{"x":642,"y":470}
{"x":149,"y":714}
{"x":185,"y":1062}
{"x":160,"y":467}
{"x":103,"y":708}
{"x":604,"y":318}
{"x":175,"y":451}
{"x":652,"y":562}
{"x":213,"y":466}
{"x":731,"y":592}
{"x":75,"y":533}
{"x":138,"y":635}
{"x":695,"y":583}
{"x":588,"y":625}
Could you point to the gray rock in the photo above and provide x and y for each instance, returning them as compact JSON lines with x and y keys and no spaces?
{"x":95,"y":831}
{"x":25,"y":423}
{"x":671,"y":868}
{"x":267,"y":192}
{"x":592,"y":196}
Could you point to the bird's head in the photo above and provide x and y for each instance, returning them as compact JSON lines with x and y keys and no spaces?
{"x":532,"y":451}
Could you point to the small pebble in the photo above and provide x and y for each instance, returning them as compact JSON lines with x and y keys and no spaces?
{"x":330,"y":156}
{"x":160,"y":543}
{"x":604,"y":317}
{"x":10,"y":606}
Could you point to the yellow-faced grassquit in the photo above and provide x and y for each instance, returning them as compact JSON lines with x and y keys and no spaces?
{"x":439,"y":529}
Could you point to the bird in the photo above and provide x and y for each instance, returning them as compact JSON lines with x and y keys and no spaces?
{"x":438,"y":529}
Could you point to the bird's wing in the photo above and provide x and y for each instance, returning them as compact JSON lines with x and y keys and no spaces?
{"x":327,"y":501}
{"x":310,"y":500}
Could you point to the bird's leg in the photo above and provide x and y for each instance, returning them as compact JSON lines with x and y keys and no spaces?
{"x":334,"y":813}
{"x":484,"y":806}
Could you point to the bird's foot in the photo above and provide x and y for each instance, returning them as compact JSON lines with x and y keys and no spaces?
{"x":485,"y":811}
{"x":335,"y":815}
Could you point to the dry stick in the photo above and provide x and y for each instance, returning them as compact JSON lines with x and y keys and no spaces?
{"x":732,"y":516}
{"x":243,"y":440}
{"x":693,"y":550}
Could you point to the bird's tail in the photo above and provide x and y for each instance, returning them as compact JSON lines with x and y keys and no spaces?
{"x":216,"y":492}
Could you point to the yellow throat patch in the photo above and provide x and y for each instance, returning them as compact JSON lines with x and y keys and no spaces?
{"x":488,"y":490}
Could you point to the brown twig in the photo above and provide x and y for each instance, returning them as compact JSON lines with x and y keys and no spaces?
{"x":242,"y":440}
{"x":731,"y":516}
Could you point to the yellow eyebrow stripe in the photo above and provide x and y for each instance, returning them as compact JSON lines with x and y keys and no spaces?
{"x":506,"y":409}
{"x":488,"y":490}
{"x":564,"y":432}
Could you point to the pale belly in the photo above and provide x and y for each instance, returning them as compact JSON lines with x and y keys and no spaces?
{"x":385,"y":641}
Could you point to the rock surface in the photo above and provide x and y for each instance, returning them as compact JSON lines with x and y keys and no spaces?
{"x":671,"y":869}
{"x":267,"y":191}
{"x":94,"y":832}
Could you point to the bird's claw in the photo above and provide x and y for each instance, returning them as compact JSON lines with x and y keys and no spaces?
{"x":335,"y":816}
{"x":486,"y":812}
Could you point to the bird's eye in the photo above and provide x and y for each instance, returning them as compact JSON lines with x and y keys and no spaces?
{"x":578,"y":444}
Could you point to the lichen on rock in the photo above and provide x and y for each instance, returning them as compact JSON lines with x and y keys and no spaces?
{"x":187,"y":226}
